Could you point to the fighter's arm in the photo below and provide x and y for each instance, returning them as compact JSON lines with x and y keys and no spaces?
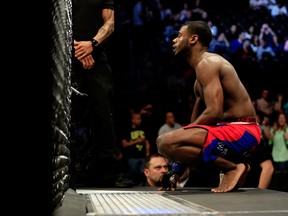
{"x":198,"y":102}
{"x":208,"y":76}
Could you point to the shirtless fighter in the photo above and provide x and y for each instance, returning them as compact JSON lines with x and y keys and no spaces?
{"x":223,"y":127}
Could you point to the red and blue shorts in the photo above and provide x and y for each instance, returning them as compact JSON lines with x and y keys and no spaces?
{"x":230,"y":140}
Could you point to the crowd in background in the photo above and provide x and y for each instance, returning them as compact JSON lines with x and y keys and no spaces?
{"x":141,"y":49}
{"x":248,"y":33}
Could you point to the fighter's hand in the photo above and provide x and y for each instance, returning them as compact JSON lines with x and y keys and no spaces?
{"x":82,"y":49}
{"x":169,"y":181}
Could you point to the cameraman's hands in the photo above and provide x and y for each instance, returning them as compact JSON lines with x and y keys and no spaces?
{"x":169,"y":181}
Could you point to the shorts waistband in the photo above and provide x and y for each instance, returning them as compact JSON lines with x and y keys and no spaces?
{"x":245,"y":119}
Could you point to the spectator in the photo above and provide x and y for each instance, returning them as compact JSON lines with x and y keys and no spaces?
{"x":155,"y":167}
{"x":220,"y":46}
{"x":285,"y":47}
{"x":245,"y":52}
{"x":285,"y":107}
{"x":264,"y":51}
{"x":278,"y":138}
{"x":258,"y":4}
{"x":144,"y":102}
{"x":250,"y":33}
{"x":213,"y":28}
{"x":269,"y":36}
{"x":261,"y":168}
{"x":232,"y":32}
{"x":264,"y":105}
{"x":281,"y":104}
{"x":136,"y":147}
{"x":169,"y":124}
{"x":255,"y":43}
{"x":185,"y":14}
{"x":139,"y":16}
{"x":278,"y":9}
{"x":237,"y":43}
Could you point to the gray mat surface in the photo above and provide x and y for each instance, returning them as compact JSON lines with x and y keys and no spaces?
{"x":187,"y":201}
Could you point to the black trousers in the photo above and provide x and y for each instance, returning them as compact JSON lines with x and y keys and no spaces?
{"x":104,"y":165}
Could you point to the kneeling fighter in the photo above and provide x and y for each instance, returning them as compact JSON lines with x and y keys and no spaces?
{"x":223,"y":127}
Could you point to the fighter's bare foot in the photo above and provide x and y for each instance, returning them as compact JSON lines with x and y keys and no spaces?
{"x":230,"y":179}
{"x":243,"y":177}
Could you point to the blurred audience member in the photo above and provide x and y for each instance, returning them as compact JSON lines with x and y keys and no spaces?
{"x":261,"y":168}
{"x":278,"y":138}
{"x":220,"y":45}
{"x":269,"y":36}
{"x":279,"y":9}
{"x":170,"y":123}
{"x":281,"y":104}
{"x":213,"y":28}
{"x":136,"y":147}
{"x":264,"y":51}
{"x":264,"y":105}
{"x":258,"y":4}
{"x":138,"y":26}
{"x":237,"y":43}
{"x":285,"y":46}
{"x":232,"y":32}
{"x":245,"y":52}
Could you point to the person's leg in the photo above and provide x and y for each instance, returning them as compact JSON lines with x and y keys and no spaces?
{"x":101,"y":116}
{"x":185,"y":146}
{"x":234,"y":175}
{"x":182,"y":145}
{"x":107,"y":165}
{"x":132,"y":166}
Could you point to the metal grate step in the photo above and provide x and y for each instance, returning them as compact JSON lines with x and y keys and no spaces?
{"x":140,"y":203}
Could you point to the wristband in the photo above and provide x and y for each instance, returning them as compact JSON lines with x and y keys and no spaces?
{"x":95,"y":43}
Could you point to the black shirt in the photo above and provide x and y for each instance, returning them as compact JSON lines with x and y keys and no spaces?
{"x":87,"y":17}
{"x":87,"y":20}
